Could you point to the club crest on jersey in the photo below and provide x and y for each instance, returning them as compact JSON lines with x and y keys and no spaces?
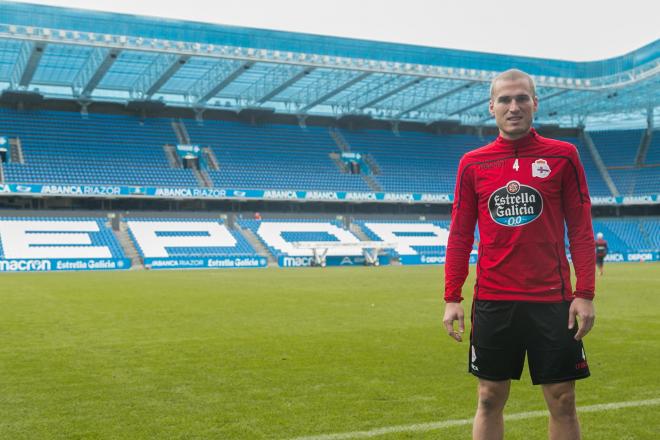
{"x":515,"y":204}
{"x":540,"y":168}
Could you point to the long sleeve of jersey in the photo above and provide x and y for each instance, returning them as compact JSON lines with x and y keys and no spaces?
{"x":461,"y":233}
{"x":577,"y":211}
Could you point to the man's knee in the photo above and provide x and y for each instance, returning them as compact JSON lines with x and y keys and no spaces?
{"x":493,"y":395}
{"x":561,"y":399}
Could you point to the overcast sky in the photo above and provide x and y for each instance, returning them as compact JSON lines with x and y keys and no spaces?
{"x":580,"y":30}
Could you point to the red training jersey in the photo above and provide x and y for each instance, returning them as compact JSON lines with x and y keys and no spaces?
{"x":521,"y":193}
{"x":601,"y":247}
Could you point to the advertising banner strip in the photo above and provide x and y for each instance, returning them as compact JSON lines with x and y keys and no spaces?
{"x":255,"y":261}
{"x":409,"y":260}
{"x":113,"y":191}
{"x":358,"y":260}
{"x":47,"y":265}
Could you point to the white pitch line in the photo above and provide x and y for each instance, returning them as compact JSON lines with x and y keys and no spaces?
{"x":432,"y":426}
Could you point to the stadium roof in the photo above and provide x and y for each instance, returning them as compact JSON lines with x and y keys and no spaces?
{"x":94,"y":56}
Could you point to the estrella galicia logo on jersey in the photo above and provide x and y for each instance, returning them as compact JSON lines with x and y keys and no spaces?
{"x":515,"y":204}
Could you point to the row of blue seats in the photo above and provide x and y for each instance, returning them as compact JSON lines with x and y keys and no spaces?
{"x":62,"y":147}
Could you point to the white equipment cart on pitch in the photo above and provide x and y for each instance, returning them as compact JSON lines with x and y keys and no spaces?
{"x":319,"y":249}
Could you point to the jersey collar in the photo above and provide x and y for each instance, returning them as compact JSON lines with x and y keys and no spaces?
{"x":525,"y":140}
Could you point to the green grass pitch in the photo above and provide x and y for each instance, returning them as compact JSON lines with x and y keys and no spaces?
{"x":279,"y":354}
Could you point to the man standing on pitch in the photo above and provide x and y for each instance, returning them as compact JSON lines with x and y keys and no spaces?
{"x":520,"y":190}
{"x":601,"y":252}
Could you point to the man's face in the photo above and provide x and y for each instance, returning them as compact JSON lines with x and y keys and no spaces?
{"x":513,"y":106}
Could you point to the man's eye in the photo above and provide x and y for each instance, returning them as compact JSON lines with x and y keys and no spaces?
{"x":522,"y":98}
{"x":504,"y":100}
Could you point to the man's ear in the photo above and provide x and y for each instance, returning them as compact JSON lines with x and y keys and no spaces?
{"x":490,"y":107}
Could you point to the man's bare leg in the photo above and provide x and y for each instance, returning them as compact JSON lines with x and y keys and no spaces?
{"x":563,"y":424}
{"x":489,"y":420}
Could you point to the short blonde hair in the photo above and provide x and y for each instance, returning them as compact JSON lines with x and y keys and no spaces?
{"x":512,"y":75}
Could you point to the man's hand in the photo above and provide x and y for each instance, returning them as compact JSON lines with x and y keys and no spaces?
{"x":583,"y":309}
{"x":454,"y":312}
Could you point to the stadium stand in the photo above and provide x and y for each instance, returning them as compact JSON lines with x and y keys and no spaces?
{"x":597,"y":186}
{"x":413,"y":162}
{"x":651,"y":229}
{"x":653,"y":153}
{"x":273,"y":156}
{"x":63,"y":148}
{"x":57,"y":238}
{"x":277,"y":235}
{"x":618,"y":149}
{"x":630,"y":234}
{"x":173,"y":239}
{"x":186,"y":237}
{"x":412,"y":237}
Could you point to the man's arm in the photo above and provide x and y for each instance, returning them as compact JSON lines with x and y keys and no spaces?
{"x":577,"y":211}
{"x":459,"y":246}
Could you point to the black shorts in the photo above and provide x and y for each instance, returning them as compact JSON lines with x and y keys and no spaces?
{"x":599,"y":260}
{"x":503,"y":331}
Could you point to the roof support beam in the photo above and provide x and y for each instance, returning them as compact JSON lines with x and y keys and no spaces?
{"x":390,"y":93}
{"x":95,"y":68}
{"x":27,"y":63}
{"x":471,"y":106}
{"x":157,"y":74}
{"x":32,"y":63}
{"x":273,"y":82}
{"x":217,"y":78}
{"x":330,"y":92}
{"x":286,"y":84}
{"x":435,"y":98}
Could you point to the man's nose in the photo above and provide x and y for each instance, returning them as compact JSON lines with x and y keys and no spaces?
{"x":513,"y":106}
